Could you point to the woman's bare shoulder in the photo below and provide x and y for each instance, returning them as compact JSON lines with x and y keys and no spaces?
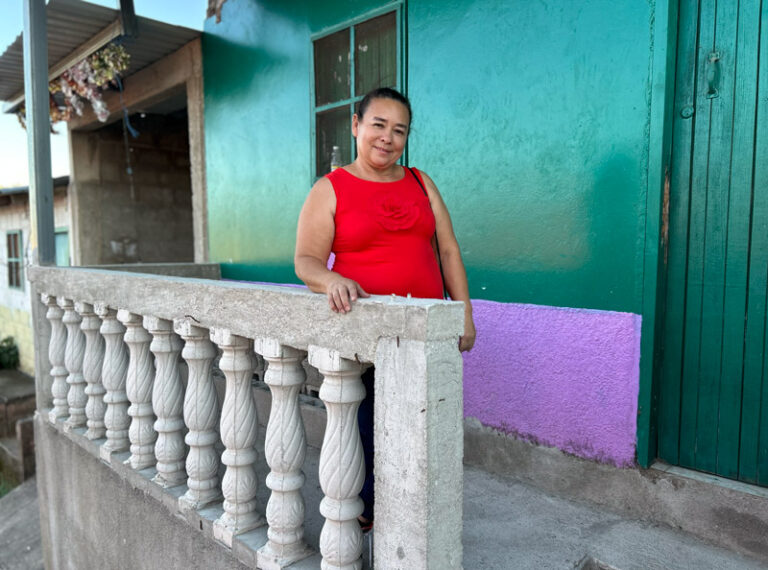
{"x":322,"y":195}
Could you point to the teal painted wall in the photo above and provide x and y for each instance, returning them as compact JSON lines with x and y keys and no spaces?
{"x":256,"y":65}
{"x":533,"y":118}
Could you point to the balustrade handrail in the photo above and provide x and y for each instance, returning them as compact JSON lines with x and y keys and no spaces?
{"x":292,"y":315}
{"x":114,"y":340}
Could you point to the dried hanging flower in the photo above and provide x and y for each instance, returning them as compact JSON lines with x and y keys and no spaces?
{"x":85,"y":81}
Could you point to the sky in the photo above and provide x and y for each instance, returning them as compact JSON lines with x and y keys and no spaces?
{"x":13,"y":139}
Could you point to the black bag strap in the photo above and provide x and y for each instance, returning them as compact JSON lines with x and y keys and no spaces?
{"x":437,"y":244}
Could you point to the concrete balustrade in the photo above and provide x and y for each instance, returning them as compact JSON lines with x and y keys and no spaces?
{"x":238,"y":433}
{"x":167,"y":403}
{"x":123,"y":335}
{"x":93,"y":359}
{"x":73,"y":361}
{"x":56,"y":350}
{"x":114,"y":372}
{"x":201,"y":415}
{"x":285,"y":447}
{"x":138,"y":386}
{"x":341,"y":540}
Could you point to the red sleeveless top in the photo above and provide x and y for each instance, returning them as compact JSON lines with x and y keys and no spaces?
{"x":384,"y":235}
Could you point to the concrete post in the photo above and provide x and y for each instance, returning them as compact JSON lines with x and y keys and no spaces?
{"x":419,"y":409}
{"x":41,"y":240}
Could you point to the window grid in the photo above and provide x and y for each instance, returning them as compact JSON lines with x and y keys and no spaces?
{"x":352,"y":100}
{"x":15,"y":259}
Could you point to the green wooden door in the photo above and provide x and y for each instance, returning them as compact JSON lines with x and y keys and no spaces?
{"x":713,"y":400}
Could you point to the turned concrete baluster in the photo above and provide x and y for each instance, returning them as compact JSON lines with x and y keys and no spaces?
{"x":56,"y":355}
{"x":167,"y":401}
{"x":92,"y":363}
{"x":201,"y":412}
{"x":114,"y":371}
{"x":285,"y":449}
{"x":238,"y":433}
{"x":141,"y":372}
{"x":73,"y":360}
{"x":342,"y":468}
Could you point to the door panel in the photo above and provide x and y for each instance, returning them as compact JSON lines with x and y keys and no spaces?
{"x":712,"y":398}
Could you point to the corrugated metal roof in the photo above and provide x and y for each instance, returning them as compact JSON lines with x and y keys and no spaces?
{"x":58,"y":182}
{"x":73,"y":23}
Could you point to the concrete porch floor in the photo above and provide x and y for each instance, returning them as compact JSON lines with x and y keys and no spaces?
{"x":508,"y":525}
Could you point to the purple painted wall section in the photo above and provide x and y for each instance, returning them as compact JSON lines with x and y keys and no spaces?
{"x":560,"y":377}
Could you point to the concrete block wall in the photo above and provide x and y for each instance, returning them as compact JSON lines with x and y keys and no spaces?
{"x":151,"y":209}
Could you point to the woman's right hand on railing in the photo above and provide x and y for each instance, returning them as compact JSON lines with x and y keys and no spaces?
{"x":342,"y":292}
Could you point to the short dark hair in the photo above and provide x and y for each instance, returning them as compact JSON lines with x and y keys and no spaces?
{"x":384,"y":93}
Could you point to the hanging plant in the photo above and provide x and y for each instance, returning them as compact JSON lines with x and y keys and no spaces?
{"x":84,"y":81}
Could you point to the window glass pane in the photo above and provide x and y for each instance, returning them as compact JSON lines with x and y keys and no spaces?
{"x":332,"y":68}
{"x":13,"y":275}
{"x":62,"y":249}
{"x":333,"y":128}
{"x":9,"y":245}
{"x":16,"y":245}
{"x":375,"y":54}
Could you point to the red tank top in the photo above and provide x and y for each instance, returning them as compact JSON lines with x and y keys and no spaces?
{"x":384,"y":235}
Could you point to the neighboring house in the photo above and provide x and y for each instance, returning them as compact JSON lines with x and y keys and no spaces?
{"x":15,"y":315}
{"x":132,"y":185}
{"x":130,"y":197}
{"x":602,"y":167}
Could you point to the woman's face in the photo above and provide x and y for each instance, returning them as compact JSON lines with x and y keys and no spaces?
{"x":382,"y":132}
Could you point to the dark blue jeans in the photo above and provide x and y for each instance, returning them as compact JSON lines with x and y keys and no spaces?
{"x":365,"y":423}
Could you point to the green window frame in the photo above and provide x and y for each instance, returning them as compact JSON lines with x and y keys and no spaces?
{"x":61,"y":240}
{"x":15,"y":259}
{"x":352,"y":54}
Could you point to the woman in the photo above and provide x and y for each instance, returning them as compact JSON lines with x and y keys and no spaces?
{"x":380,"y":220}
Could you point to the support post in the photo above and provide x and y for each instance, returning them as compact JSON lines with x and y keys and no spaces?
{"x":418,"y":408}
{"x":41,"y":240}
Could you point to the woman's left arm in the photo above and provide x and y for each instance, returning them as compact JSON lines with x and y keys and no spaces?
{"x":453,"y":267}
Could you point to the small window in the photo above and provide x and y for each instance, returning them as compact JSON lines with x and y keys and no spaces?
{"x":61,"y":240}
{"x":349,"y":63}
{"x":15,"y":260}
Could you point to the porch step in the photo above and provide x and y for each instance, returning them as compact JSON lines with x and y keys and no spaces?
{"x":720,"y":514}
{"x":17,"y":399}
{"x":17,"y":453}
{"x":20,"y":544}
{"x":17,"y":404}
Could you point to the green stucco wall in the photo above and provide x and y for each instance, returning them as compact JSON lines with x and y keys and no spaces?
{"x":532,"y":117}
